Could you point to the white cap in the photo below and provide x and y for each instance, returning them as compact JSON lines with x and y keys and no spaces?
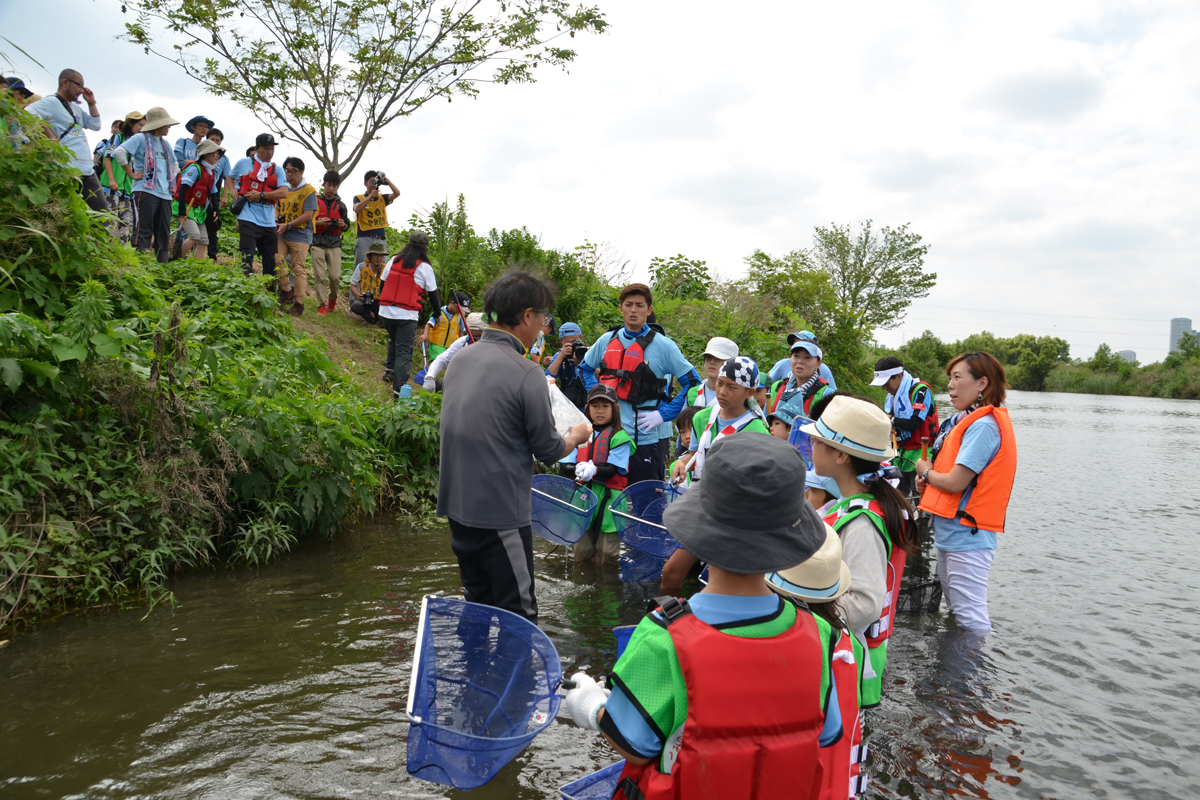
{"x":722,"y":348}
{"x":882,"y":376}
{"x":475,"y":321}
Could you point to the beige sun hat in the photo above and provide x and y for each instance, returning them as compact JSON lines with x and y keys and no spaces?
{"x":823,"y":578}
{"x":157,"y":117}
{"x":206,"y":147}
{"x":475,"y":321}
{"x":857,"y":427}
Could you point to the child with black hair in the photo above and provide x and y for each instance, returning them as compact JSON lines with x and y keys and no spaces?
{"x":603,"y":465}
{"x":683,"y":424}
{"x":851,"y":440}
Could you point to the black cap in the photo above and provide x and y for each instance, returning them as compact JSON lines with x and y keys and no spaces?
{"x":602,"y":391}
{"x":462,"y":298}
{"x":265,"y":140}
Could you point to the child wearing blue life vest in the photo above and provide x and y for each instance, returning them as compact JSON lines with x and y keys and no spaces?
{"x":602,"y":465}
{"x":730,"y":693}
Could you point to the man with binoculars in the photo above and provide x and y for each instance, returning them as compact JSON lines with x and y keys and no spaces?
{"x":370,"y":213}
{"x":565,"y":366}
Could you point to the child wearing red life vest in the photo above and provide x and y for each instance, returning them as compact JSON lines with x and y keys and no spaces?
{"x":603,"y":465}
{"x":728,"y":694}
{"x":817,"y":584}
{"x":851,"y":440}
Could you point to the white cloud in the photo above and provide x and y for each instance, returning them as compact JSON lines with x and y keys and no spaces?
{"x":1055,"y":95}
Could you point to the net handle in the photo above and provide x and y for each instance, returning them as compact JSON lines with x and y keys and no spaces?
{"x":635,"y":519}
{"x":560,"y":502}
{"x":412,"y":683}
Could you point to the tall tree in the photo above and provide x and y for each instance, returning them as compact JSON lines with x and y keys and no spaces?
{"x":680,"y":277}
{"x":876,"y":275}
{"x":331,"y":74}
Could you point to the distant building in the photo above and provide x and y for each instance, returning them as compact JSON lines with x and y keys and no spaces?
{"x":1128,"y":355}
{"x":1180,"y":326}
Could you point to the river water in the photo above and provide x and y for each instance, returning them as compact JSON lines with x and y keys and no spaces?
{"x":291,"y":681}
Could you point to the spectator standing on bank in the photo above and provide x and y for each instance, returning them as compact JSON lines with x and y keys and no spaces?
{"x":69,"y":123}
{"x":639,"y":360}
{"x":296,"y":212}
{"x":197,"y":184}
{"x":495,"y":421}
{"x":185,"y":146}
{"x":330,"y":223}
{"x":370,"y":213}
{"x":120,"y":185}
{"x":407,"y":279}
{"x":365,"y":285}
{"x":224,"y":179}
{"x":566,"y":365}
{"x":19,"y":89}
{"x":261,"y":184}
{"x":154,"y":172}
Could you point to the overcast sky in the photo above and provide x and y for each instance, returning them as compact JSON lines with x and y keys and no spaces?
{"x":1046,"y":151}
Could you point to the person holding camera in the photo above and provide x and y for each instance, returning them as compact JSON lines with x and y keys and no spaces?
{"x":366,"y":281}
{"x":565,"y":366}
{"x":370,"y":213}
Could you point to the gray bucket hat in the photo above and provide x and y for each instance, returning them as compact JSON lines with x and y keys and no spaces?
{"x":749,"y":514}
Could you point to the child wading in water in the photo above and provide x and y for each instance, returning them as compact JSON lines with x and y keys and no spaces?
{"x":851,"y":439}
{"x":728,"y":694}
{"x":602,"y":464}
{"x":683,"y":442}
{"x":735,"y":411}
{"x":805,"y":385}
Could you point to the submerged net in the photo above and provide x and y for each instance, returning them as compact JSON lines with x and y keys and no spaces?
{"x":638,"y":513}
{"x":484,"y":683}
{"x":600,"y":785}
{"x":561,"y":509}
{"x":639,"y":567}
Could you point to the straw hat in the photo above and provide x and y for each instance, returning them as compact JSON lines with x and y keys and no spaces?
{"x":158,"y":117}
{"x":823,"y":578}
{"x":856,"y":427}
{"x":134,"y":116}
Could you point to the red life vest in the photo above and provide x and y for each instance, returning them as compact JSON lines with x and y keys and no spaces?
{"x":596,"y":451}
{"x":625,"y":369}
{"x":879,"y":632}
{"x":400,"y":288}
{"x":743,"y":739}
{"x":196,"y":195}
{"x":929,"y":425}
{"x":841,"y":762}
{"x":250,"y":183}
{"x":333,"y":210}
{"x":809,"y":396}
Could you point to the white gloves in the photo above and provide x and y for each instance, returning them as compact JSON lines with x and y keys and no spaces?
{"x":429,"y":385}
{"x":648,"y":421}
{"x":585,"y":701}
{"x":585,"y":471}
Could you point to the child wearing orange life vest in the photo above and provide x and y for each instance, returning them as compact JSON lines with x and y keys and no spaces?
{"x":851,"y":440}
{"x":728,"y":694}
{"x":602,"y":464}
{"x":817,"y":584}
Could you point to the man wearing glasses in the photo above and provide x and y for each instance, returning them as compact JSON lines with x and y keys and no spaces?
{"x":295,"y":231}
{"x":66,"y":122}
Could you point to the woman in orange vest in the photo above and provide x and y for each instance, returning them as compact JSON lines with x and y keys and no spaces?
{"x":967,"y":484}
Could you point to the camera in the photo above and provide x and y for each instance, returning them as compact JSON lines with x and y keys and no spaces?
{"x":368,"y":297}
{"x":380,"y":178}
{"x":578,"y":350}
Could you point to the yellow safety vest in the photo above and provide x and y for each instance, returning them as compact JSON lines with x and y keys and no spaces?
{"x":447,"y":329}
{"x":368,"y":280}
{"x":373,"y":215}
{"x":292,"y":206}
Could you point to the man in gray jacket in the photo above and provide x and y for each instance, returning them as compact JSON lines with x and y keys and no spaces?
{"x":495,"y":420}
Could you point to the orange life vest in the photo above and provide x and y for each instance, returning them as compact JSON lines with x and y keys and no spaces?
{"x":400,"y":288}
{"x":625,"y":369}
{"x":987,"y":505}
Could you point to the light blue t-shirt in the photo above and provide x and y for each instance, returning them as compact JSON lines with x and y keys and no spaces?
{"x":979,"y":446}
{"x":222,"y":170}
{"x":783,"y":369}
{"x":665,"y":359}
{"x":69,"y":127}
{"x":259,"y":213}
{"x":135,"y":146}
{"x":185,"y":150}
{"x":714,"y":609}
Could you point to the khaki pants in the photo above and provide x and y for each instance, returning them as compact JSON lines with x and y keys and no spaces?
{"x":327,"y":272}
{"x":299,"y":254}
{"x":606,"y":550}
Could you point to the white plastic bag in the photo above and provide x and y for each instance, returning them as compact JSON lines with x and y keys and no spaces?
{"x":564,"y":411}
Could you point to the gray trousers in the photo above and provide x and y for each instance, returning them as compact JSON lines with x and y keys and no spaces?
{"x":401,"y":333}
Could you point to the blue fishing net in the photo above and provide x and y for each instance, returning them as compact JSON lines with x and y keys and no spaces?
{"x":638,"y":513}
{"x":562,"y":510}
{"x":639,"y":567}
{"x":801,"y":440}
{"x":484,"y":683}
{"x":600,"y":785}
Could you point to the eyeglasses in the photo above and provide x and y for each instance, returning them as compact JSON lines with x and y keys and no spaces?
{"x":77,"y":83}
{"x":290,"y":169}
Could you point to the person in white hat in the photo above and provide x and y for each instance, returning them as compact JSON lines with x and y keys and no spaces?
{"x":154,"y":171}
{"x":818,"y":583}
{"x":475,"y":326}
{"x":197,"y":185}
{"x":851,"y":441}
{"x":914,"y":415}
{"x":716,"y":353}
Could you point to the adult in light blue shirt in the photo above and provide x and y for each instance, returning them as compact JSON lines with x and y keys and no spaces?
{"x":133,"y":151}
{"x":154,"y":172}
{"x":256,"y":221}
{"x":259,"y":213}
{"x":185,"y":147}
{"x":650,"y":422}
{"x":69,"y":123}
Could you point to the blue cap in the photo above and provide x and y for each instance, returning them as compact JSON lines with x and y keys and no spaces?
{"x":569,"y":329}
{"x":814,"y":481}
{"x":191,"y":123}
{"x":784,"y":414}
{"x":18,"y":85}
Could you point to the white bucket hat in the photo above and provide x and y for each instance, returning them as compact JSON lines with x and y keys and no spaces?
{"x":206,"y":147}
{"x":857,"y":427}
{"x":722,"y":348}
{"x":157,"y":117}
{"x":823,"y":578}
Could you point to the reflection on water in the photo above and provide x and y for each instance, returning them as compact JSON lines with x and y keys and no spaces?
{"x":291,"y":682}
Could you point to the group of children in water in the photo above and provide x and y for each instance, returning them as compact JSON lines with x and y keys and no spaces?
{"x":754,"y":687}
